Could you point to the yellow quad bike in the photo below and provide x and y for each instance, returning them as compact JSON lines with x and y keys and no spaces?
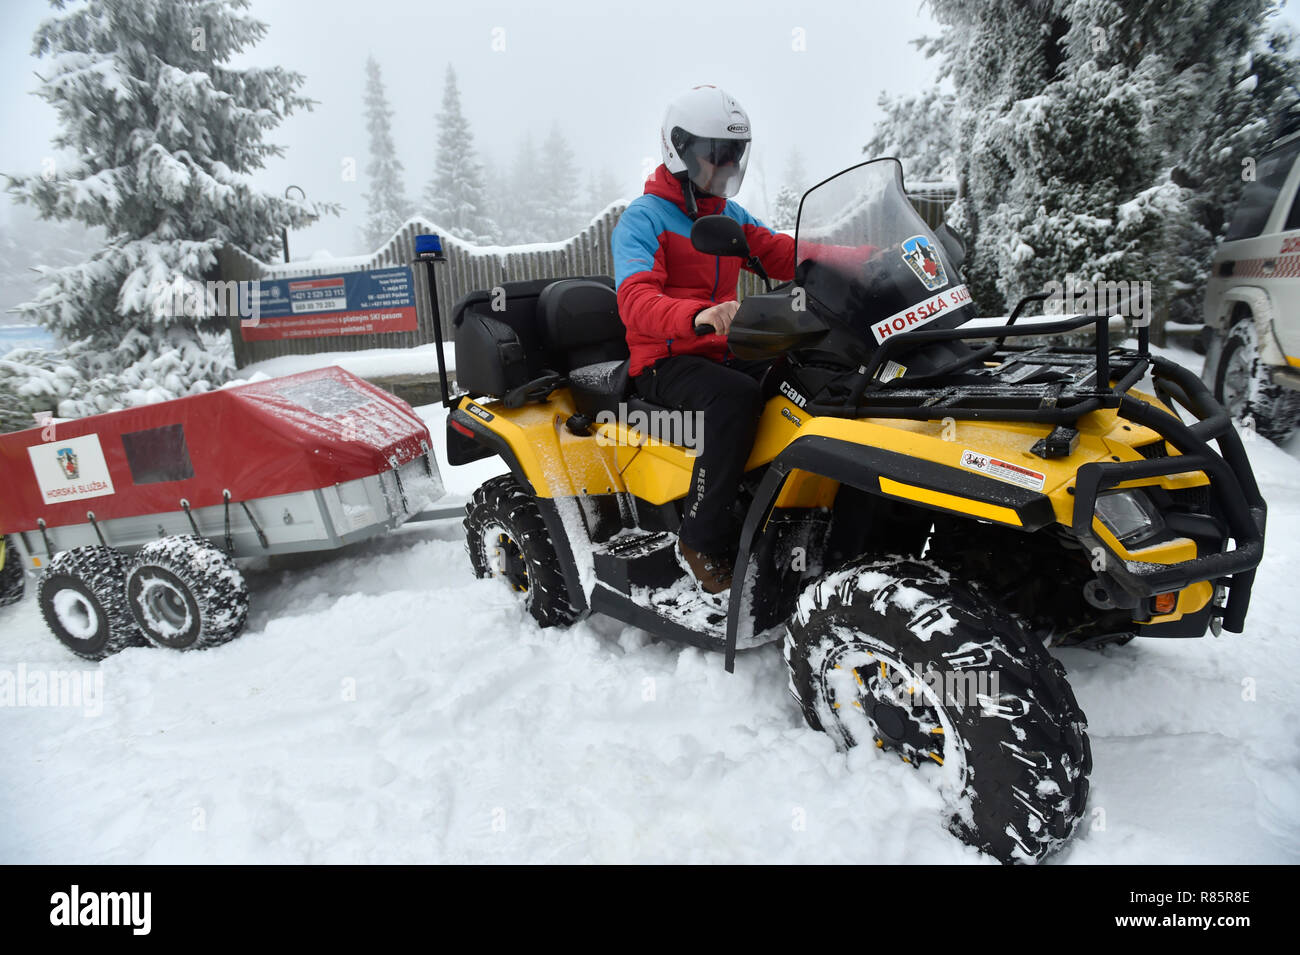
{"x":12,"y":577}
{"x":926,"y":508}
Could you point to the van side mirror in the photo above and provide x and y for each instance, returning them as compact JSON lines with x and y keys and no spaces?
{"x":719,"y":235}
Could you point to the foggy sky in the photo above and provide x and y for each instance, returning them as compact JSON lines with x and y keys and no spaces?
{"x":603,"y":70}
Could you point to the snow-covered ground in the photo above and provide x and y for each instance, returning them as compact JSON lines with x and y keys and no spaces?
{"x":386,"y":706}
{"x":421,"y":360}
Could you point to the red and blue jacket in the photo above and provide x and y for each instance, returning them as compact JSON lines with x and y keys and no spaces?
{"x":663,"y":282}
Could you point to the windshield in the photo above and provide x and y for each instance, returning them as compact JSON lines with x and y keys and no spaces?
{"x":866,"y":258}
{"x":1257,"y":200}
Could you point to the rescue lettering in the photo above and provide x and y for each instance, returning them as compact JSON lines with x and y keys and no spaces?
{"x":921,"y":313}
{"x":91,"y":487}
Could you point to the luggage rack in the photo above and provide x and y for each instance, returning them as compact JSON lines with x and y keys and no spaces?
{"x":1042,"y":383}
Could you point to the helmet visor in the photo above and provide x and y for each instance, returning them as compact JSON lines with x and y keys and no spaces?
{"x":716,"y":166}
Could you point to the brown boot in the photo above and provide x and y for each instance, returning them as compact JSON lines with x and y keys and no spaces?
{"x":712,"y":571}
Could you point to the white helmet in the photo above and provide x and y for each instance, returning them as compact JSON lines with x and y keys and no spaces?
{"x":705,"y":135}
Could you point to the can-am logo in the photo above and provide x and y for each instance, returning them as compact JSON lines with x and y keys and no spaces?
{"x":788,"y":390}
{"x":737,"y":128}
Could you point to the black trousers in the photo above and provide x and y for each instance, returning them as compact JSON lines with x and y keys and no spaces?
{"x":729,"y":397}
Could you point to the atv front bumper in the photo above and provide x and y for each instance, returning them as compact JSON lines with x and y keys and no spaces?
{"x":1235,"y":494}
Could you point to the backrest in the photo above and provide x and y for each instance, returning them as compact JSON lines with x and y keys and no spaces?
{"x":579,"y":319}
{"x":513,"y":304}
{"x":499,"y":338}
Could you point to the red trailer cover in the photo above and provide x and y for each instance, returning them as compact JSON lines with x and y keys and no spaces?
{"x":288,"y":434}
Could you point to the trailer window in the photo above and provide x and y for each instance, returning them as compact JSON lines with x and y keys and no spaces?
{"x":157,"y":455}
{"x":1258,"y":198}
{"x":325,"y":396}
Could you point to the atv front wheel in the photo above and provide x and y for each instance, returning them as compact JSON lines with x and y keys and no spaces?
{"x":506,"y":537}
{"x":900,"y":654}
{"x":1243,"y":385}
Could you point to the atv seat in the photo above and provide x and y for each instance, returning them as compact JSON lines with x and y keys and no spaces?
{"x":604,"y":379}
{"x":580,"y":321}
{"x":547,"y":328}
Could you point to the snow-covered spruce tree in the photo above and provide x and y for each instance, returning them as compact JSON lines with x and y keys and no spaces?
{"x":28,"y":241}
{"x":386,"y":204}
{"x":918,"y":131}
{"x":785,"y":207}
{"x":1091,"y":140}
{"x":496,"y":200}
{"x":161,"y":133}
{"x":560,"y":207}
{"x":522,"y":221}
{"x":602,"y":189}
{"x":454,"y":198}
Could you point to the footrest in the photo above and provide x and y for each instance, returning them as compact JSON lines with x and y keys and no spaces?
{"x":638,"y":560}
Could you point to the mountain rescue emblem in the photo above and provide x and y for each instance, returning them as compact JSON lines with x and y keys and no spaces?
{"x":923,"y":259}
{"x":68,"y":463}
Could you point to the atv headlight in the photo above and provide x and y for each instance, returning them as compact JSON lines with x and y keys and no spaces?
{"x":1130,"y":516}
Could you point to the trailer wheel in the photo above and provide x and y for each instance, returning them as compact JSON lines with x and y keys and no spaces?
{"x":506,"y":537}
{"x":899,"y":654}
{"x":12,"y":580}
{"x":83,"y":600}
{"x":186,"y":594}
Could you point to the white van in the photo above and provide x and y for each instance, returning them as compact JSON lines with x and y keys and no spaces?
{"x":1252,"y":300}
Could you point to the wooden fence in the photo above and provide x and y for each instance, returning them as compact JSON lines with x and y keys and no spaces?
{"x":468,"y":267}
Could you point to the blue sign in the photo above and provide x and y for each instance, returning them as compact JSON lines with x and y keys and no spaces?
{"x":350,"y":303}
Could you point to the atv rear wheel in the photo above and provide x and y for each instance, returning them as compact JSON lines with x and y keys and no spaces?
{"x":898,"y":653}
{"x":186,"y":594}
{"x":83,"y":600}
{"x":506,"y":537}
{"x":1243,"y":385}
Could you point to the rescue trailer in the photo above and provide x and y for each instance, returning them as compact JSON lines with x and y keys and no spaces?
{"x":135,"y":518}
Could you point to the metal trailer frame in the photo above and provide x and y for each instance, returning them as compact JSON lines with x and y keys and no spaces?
{"x":315,"y":520}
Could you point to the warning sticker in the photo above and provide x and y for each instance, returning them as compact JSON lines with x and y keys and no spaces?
{"x":1003,"y":470}
{"x":891,"y":371}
